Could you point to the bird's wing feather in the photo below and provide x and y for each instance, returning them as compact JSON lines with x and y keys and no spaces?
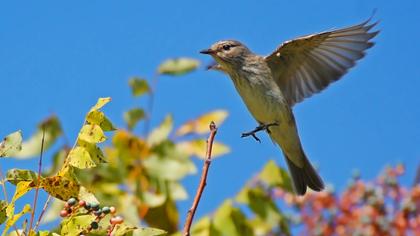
{"x":304,"y":66}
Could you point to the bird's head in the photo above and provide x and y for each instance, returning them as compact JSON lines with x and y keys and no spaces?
{"x":229,"y":54}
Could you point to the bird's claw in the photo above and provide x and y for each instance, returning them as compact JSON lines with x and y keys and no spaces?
{"x":251,"y":134}
{"x":257,"y":129}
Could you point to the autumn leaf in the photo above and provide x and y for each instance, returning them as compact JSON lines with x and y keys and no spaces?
{"x":139,"y":86}
{"x":200,"y":125}
{"x":11,"y":144}
{"x":161,"y":132}
{"x":132,"y":116}
{"x":198,"y":148}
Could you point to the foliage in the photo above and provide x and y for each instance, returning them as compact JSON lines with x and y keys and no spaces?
{"x":124,"y":182}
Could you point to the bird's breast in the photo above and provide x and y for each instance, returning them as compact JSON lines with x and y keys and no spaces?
{"x":262,"y":97}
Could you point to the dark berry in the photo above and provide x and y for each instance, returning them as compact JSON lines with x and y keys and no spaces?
{"x":94,"y":225}
{"x":88,"y":206}
{"x":95,"y":206}
{"x":72,"y":201}
{"x":106,"y":210}
{"x":97,"y":213}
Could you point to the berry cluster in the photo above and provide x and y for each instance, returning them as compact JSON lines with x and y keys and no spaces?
{"x":73,"y":206}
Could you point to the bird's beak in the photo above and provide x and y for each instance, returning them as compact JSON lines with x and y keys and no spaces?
{"x":207,"y":51}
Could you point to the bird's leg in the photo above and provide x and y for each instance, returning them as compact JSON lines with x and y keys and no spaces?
{"x":258,"y":129}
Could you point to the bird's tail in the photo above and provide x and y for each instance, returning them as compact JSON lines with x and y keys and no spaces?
{"x":304,"y":176}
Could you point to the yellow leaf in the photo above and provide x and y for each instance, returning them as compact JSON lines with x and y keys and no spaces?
{"x":79,"y":157}
{"x":11,"y":144}
{"x":92,"y":134}
{"x":13,"y":219}
{"x":99,"y":118}
{"x":76,"y":225}
{"x":201,"y":124}
{"x":101,"y":102}
{"x":161,"y":133}
{"x":198,"y":147}
{"x":21,"y":189}
{"x":61,"y":187}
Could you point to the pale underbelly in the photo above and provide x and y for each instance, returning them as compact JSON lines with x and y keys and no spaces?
{"x":268,"y":108}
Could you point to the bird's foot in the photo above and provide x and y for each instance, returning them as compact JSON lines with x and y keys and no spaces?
{"x":258,"y":129}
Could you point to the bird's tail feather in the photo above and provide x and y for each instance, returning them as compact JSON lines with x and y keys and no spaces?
{"x":304,"y":176}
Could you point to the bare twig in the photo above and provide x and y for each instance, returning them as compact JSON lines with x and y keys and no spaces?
{"x":150,"y":104}
{"x":38,"y":181}
{"x":44,"y":209}
{"x":203,"y":180}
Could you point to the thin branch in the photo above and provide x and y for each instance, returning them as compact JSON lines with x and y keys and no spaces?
{"x":44,"y":209}
{"x":203,"y":180}
{"x":38,"y":181}
{"x":150,"y":104}
{"x":2,"y":182}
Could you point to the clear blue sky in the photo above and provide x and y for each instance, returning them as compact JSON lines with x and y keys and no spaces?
{"x":58,"y":57}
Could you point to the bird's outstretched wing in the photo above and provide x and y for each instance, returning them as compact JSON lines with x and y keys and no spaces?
{"x":304,"y":66}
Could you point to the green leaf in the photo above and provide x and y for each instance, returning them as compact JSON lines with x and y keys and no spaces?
{"x":162,"y":132}
{"x":275,"y":176}
{"x":264,"y":207}
{"x":169,"y":168}
{"x":32,"y":146}
{"x":177,"y":191}
{"x":92,"y":134}
{"x":75,"y":225}
{"x":98,"y":118}
{"x":14,"y":176}
{"x":53,"y":211}
{"x":153,"y":199}
{"x":178,"y":66}
{"x":204,"y":227}
{"x":138,"y":86}
{"x":229,"y":220}
{"x":11,"y":144}
{"x":149,"y":232}
{"x":164,"y":217}
{"x":132,"y":116}
{"x":3,"y":216}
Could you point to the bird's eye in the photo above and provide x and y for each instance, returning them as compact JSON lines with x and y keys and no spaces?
{"x":226,"y":47}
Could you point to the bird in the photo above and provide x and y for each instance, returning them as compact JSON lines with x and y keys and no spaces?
{"x":271,"y":85}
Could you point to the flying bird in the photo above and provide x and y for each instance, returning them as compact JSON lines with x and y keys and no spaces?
{"x":271,"y":85}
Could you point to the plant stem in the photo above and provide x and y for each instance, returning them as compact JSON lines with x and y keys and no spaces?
{"x":38,"y":181}
{"x":203,"y":180}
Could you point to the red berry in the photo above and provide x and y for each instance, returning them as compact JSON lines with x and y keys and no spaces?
{"x":116,"y":220}
{"x":82,"y":203}
{"x":67,"y":205}
{"x":64,"y":213}
{"x":112,"y":210}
